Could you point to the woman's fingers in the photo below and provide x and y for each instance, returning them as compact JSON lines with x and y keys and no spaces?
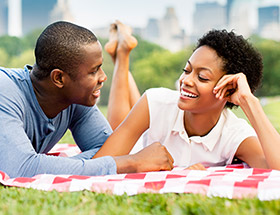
{"x":197,"y":166}
{"x":226,"y":86}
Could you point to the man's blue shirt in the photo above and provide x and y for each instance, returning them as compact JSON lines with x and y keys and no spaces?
{"x":27,"y":134}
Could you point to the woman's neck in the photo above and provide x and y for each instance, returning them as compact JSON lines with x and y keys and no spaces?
{"x":200,"y":124}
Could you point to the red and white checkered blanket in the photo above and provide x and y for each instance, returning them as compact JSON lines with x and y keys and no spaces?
{"x":233,"y":181}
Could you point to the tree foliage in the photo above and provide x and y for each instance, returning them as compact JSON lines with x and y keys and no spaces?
{"x":142,"y":51}
{"x":160,"y":69}
{"x":3,"y":57}
{"x":11,"y":45}
{"x":26,"y":57}
{"x":270,"y":51}
{"x":17,"y":52}
{"x":150,"y":64}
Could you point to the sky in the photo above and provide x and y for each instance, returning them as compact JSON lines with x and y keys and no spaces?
{"x":100,"y":13}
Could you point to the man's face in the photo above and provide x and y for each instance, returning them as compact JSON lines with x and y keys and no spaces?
{"x":85,"y":88}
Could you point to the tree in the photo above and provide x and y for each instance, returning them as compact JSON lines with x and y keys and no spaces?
{"x":143,"y":51}
{"x":160,"y":69}
{"x":27,"y":57}
{"x":3,"y":58}
{"x":11,"y":45}
{"x":270,"y":51}
{"x":29,"y":40}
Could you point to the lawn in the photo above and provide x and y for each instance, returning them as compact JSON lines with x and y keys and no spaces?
{"x":28,"y":201}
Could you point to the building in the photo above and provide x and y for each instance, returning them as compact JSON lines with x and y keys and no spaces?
{"x":152,"y":30}
{"x":267,"y":16}
{"x":228,"y":10}
{"x":207,"y":16}
{"x":3,"y":17}
{"x":240,"y":17}
{"x":36,"y":14}
{"x":268,"y":22}
{"x":19,"y":17}
{"x":14,"y":18}
{"x":166,"y":31}
{"x":61,"y":11}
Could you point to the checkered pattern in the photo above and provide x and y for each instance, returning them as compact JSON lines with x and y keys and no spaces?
{"x":233,"y":181}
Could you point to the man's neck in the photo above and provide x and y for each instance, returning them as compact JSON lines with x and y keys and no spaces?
{"x":47,"y":96}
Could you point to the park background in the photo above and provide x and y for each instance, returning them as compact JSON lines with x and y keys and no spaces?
{"x":167,"y":31}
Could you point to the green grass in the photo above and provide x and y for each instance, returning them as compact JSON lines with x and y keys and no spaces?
{"x":271,"y":107}
{"x":28,"y":201}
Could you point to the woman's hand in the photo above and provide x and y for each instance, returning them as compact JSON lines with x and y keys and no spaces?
{"x":234,"y":88}
{"x":197,"y":166}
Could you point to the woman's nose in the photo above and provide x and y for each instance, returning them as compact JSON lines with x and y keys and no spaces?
{"x":188,"y":79}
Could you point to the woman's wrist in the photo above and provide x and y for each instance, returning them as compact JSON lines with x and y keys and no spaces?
{"x":247,"y":102}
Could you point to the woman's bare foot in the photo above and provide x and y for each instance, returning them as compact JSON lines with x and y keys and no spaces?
{"x":111,"y":45}
{"x":126,"y":42}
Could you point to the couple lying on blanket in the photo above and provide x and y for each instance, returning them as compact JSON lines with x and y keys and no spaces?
{"x":190,"y":127}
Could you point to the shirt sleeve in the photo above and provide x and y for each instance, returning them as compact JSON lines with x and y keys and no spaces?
{"x":89,"y":128}
{"x":235,"y":132}
{"x":19,"y":159}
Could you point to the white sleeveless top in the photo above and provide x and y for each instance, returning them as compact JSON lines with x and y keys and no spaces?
{"x":217,"y":148}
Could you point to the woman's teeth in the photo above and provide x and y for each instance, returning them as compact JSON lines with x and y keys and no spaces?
{"x":183,"y":93}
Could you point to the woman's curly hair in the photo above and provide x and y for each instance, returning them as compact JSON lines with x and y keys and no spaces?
{"x":237,"y":54}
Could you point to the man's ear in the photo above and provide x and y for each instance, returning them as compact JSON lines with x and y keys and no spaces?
{"x":58,"y":77}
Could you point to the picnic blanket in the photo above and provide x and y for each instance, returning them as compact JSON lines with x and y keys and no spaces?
{"x":232,"y":181}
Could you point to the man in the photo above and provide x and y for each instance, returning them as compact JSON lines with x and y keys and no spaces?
{"x":39,"y":103}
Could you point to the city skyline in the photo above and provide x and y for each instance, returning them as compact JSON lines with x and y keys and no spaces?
{"x":169,"y":25}
{"x":101,"y":13}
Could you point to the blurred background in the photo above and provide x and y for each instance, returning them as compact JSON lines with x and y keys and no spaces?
{"x":166,"y":31}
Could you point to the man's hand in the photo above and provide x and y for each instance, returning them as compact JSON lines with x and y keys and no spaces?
{"x":154,"y":157}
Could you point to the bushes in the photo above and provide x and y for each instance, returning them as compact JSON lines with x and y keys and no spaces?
{"x":150,"y":64}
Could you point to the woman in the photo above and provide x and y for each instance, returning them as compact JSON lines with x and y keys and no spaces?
{"x":242,"y":96}
{"x":192,"y":123}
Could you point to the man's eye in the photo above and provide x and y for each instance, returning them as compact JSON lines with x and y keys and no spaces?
{"x":96,"y":70}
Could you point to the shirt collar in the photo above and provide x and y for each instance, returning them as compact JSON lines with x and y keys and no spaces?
{"x":208,"y":141}
{"x":179,"y":122}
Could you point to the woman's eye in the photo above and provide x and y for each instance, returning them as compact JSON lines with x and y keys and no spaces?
{"x":203,"y":78}
{"x":186,"y":71}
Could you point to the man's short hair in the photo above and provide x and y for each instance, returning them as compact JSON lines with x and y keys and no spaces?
{"x":60,"y":47}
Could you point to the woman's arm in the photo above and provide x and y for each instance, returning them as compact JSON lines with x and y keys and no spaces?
{"x":128,"y":132}
{"x":242,"y":96}
{"x":250,"y":151}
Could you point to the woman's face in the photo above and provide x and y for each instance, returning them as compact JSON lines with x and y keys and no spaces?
{"x":201,"y":74}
